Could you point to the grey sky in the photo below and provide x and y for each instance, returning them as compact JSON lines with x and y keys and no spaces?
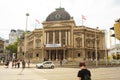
{"x":101,"y":13}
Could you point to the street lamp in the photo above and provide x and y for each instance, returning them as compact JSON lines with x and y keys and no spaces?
{"x":96,"y":46}
{"x":105,"y":46}
{"x":27,"y":14}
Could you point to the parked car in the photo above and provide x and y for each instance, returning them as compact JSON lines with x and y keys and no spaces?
{"x":45,"y":64}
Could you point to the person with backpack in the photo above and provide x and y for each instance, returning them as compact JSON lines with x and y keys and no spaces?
{"x":84,"y":73}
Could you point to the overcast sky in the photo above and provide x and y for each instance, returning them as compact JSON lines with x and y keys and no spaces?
{"x":98,"y":13}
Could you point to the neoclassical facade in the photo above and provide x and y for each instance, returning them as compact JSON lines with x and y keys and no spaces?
{"x":60,"y":39}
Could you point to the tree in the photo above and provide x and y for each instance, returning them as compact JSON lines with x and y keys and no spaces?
{"x":12,"y":48}
{"x":114,"y":56}
{"x":118,"y":56}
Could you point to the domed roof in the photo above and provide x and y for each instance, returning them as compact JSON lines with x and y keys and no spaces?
{"x":59,"y":14}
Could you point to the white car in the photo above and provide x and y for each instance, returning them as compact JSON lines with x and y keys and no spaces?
{"x":45,"y":64}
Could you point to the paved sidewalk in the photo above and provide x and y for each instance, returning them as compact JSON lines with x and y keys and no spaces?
{"x":110,"y":73}
{"x":18,"y":74}
{"x":106,"y":73}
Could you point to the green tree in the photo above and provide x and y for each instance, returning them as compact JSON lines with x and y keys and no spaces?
{"x":118,"y":56}
{"x":114,"y":56}
{"x":12,"y":48}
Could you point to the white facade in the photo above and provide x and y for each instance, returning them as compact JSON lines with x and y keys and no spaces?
{"x":14,"y":34}
{"x":19,"y":33}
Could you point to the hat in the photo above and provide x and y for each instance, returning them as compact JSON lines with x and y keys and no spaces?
{"x":82,"y":64}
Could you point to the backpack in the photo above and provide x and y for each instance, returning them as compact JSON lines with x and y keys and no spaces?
{"x":87,"y":77}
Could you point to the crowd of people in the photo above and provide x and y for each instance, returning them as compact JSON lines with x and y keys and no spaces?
{"x":16,"y":63}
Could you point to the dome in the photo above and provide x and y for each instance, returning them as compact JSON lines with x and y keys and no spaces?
{"x":58,"y":15}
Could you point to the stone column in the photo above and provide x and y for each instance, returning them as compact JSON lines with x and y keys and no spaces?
{"x":34,"y":42}
{"x":42,"y":53}
{"x":49,"y":55}
{"x":66,"y":38}
{"x":56,"y":55}
{"x":83,"y":40}
{"x":64,"y":53}
{"x":47,"y":37}
{"x":60,"y":37}
{"x":54,"y":37}
{"x":44,"y":39}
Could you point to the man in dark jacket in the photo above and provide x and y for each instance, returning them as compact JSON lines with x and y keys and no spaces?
{"x":83,"y":73}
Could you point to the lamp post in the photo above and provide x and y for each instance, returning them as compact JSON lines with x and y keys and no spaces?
{"x":105,"y":47}
{"x":27,"y":14}
{"x":96,"y":46}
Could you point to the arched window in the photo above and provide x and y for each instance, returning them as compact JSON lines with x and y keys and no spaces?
{"x":78,"y":55}
{"x":93,"y":55}
{"x":98,"y":57}
{"x":88,"y":42}
{"x":37,"y":55}
{"x":38,"y":43}
{"x":88,"y":55}
{"x":79,"y":42}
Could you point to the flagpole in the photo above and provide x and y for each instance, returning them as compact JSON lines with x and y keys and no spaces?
{"x":82,"y":21}
{"x":83,"y":18}
{"x":60,"y":3}
{"x":35,"y":24}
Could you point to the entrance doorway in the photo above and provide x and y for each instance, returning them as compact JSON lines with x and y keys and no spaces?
{"x":55,"y":54}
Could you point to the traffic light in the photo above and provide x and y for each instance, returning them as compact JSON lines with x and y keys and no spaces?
{"x":112,"y":28}
{"x":116,"y":29}
{"x":112,"y":35}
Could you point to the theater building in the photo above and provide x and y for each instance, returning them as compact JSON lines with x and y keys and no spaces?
{"x":60,"y":39}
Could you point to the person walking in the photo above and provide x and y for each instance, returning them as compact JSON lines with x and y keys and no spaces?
{"x":7,"y":63}
{"x":18,"y":63}
{"x":28,"y":63}
{"x":84,"y":73}
{"x":60,"y":62}
{"x":13,"y":63}
{"x":23,"y":64}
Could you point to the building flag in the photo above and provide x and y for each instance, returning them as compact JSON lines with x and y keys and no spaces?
{"x":37,"y":22}
{"x":83,"y":18}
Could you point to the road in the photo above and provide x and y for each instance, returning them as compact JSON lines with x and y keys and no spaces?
{"x":111,"y":73}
